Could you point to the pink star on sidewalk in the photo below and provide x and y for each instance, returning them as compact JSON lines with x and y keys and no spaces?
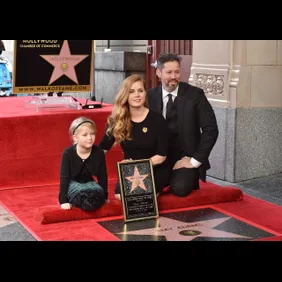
{"x":137,"y":180}
{"x":64,"y":63}
{"x":177,"y":230}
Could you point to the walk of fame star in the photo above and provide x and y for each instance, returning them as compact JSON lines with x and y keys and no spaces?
{"x":137,"y":180}
{"x":64,"y":63}
{"x":176,"y":230}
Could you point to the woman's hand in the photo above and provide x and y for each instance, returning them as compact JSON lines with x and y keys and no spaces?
{"x":126,"y":160}
{"x":107,"y":201}
{"x":157,"y":159}
{"x":66,"y":206}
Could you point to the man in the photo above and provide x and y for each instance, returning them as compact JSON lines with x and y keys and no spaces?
{"x":192,"y":125}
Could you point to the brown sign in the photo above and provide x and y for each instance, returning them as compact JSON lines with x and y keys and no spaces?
{"x":138,"y":192}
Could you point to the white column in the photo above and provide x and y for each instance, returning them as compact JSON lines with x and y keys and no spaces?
{"x":212,"y":60}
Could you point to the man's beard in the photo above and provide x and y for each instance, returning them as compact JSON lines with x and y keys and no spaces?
{"x":171,"y":88}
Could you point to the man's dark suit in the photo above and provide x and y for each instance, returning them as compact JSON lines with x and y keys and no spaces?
{"x":194,"y":114}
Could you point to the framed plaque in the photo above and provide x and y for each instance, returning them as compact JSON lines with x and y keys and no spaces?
{"x":138,"y":192}
{"x":42,"y":66}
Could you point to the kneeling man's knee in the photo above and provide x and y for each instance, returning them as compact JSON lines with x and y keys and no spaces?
{"x":181,"y":189}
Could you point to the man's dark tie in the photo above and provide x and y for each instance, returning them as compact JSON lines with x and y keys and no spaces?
{"x":169,"y":106}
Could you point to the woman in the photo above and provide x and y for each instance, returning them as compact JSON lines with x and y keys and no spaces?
{"x":141,"y":133}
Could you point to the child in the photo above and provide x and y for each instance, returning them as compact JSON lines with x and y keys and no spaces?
{"x":80,"y":163}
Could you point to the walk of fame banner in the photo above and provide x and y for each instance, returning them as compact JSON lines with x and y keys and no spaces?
{"x":42,"y":66}
{"x":138,"y":192}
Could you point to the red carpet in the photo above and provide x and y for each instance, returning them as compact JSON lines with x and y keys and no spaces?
{"x":42,"y":205}
{"x":39,"y":202}
{"x":24,"y":206}
{"x":32,"y":142}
